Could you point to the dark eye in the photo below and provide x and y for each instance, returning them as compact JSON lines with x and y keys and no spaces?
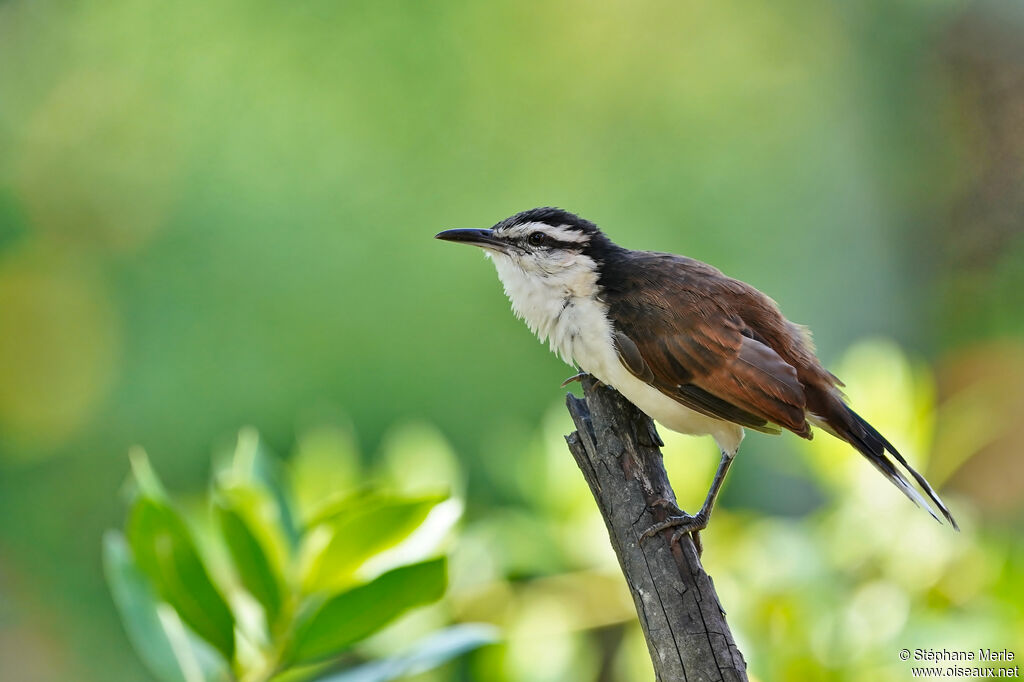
{"x":537,"y":238}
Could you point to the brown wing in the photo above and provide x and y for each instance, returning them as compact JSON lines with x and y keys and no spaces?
{"x":721,"y":347}
{"x":685,"y":336}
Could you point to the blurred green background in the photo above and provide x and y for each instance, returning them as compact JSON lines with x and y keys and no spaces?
{"x":221,"y":214}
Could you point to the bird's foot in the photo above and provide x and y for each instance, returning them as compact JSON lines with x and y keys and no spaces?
{"x":580,"y":376}
{"x":575,"y":377}
{"x":684,"y":524}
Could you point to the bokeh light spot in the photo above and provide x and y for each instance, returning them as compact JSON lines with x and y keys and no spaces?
{"x":58,"y":347}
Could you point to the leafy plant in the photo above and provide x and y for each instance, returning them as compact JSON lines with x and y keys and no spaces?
{"x":254,"y":591}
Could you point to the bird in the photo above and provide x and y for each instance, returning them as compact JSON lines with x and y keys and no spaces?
{"x":700,"y":352}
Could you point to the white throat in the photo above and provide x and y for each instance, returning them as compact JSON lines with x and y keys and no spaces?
{"x":559,"y":302}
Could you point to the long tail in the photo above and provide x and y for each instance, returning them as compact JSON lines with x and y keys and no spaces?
{"x":838,"y":419}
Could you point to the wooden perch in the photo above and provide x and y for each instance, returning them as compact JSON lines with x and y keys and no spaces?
{"x":675,"y":599}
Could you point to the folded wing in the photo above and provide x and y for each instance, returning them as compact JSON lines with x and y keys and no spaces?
{"x":697,"y":352}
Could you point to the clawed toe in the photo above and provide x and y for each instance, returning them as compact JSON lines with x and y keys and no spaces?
{"x":575,"y":377}
{"x":580,"y":377}
{"x":698,"y":544}
{"x":684,"y":524}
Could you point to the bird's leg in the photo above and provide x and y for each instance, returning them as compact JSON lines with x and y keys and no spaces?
{"x":685,"y":523}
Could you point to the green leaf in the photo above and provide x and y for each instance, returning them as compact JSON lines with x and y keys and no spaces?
{"x":356,"y":614}
{"x":145,"y":477}
{"x":137,"y":605}
{"x":360,"y":529}
{"x":166,"y":553}
{"x":427,"y":654}
{"x":254,"y":569}
{"x":326,"y":461}
{"x":169,"y":653}
{"x":253,"y":464}
{"x":339,"y":504}
{"x":269,"y":472}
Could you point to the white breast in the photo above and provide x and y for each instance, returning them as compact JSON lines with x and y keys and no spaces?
{"x":562,"y":308}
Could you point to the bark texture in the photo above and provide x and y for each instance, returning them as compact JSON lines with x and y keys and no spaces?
{"x":616,"y":448}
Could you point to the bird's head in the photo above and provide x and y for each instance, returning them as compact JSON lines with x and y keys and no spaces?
{"x":547,"y":243}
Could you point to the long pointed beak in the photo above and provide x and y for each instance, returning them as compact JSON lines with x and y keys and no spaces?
{"x":482,"y":238}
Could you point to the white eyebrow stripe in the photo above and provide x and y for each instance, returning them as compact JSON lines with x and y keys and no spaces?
{"x":561,"y":233}
{"x":567,"y":234}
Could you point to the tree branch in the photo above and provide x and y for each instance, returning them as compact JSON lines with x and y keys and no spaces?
{"x":675,"y":599}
